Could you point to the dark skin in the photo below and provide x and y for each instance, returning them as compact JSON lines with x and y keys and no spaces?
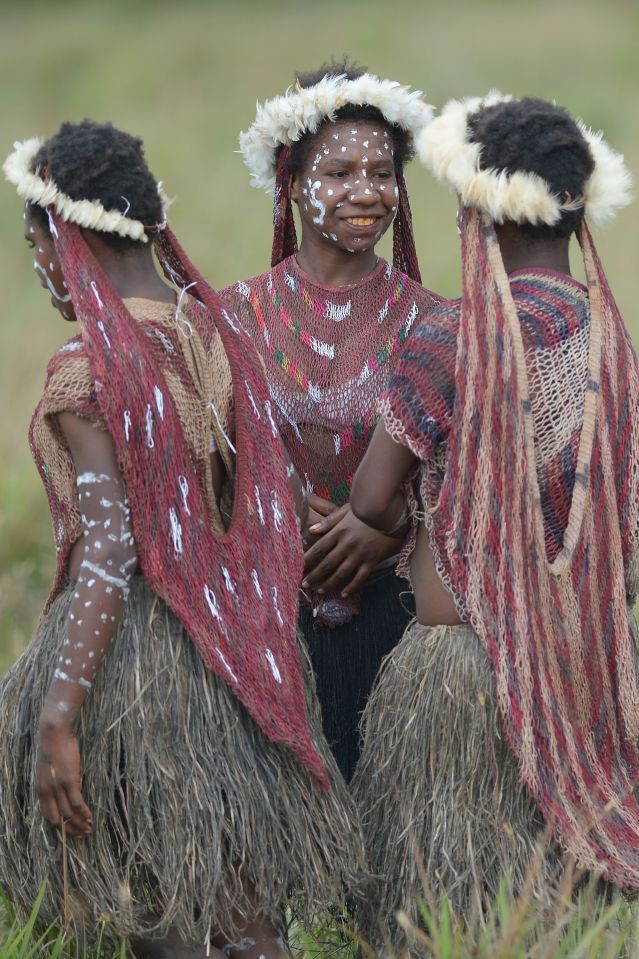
{"x":376,"y":496}
{"x":346,"y":200}
{"x":133,"y":274}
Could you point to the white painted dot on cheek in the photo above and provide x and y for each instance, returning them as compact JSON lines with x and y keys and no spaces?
{"x":329,"y":193}
{"x":343,"y":149}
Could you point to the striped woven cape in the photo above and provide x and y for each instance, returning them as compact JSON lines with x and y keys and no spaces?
{"x":558,"y":633}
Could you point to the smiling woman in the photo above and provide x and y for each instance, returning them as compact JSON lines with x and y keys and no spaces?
{"x":329,"y":319}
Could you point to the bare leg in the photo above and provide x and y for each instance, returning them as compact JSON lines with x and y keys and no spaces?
{"x":259,"y":940}
{"x":172,"y":947}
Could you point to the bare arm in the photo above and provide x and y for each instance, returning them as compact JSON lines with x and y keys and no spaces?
{"x":108,"y":561}
{"x":376,"y":496}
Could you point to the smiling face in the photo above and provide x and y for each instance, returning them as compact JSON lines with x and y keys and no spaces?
{"x":46,"y":263}
{"x":346,"y":190}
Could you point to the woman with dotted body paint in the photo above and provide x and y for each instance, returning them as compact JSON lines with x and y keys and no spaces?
{"x":171,"y":737}
{"x":329,"y":320}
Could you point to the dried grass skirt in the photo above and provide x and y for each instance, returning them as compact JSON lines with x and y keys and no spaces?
{"x":439,"y":790}
{"x":196,"y":814}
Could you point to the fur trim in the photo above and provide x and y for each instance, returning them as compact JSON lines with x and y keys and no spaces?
{"x":285,"y":119}
{"x":87,"y":213}
{"x":519,"y":197}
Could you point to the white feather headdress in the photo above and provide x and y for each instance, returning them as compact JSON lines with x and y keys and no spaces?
{"x":285,"y":119}
{"x":519,"y":197}
{"x":87,"y":213}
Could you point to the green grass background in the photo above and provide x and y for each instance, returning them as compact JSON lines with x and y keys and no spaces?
{"x":185,"y":76}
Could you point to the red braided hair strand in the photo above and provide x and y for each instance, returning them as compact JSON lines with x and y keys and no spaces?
{"x":404,"y":252}
{"x":284,"y":235}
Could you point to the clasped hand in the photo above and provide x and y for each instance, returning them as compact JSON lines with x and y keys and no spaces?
{"x":342,"y":552}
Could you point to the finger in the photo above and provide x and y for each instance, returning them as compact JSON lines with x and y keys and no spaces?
{"x":321,"y":573}
{"x":73,"y":825}
{"x":358,"y":580}
{"x":49,"y":808}
{"x":321,"y":506}
{"x":326,"y":524}
{"x":341,"y":574}
{"x":322,"y":548}
{"x":81,"y":812}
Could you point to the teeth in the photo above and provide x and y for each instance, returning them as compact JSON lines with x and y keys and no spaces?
{"x":362,"y":220}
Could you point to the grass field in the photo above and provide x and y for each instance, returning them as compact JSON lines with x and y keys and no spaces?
{"x":185,"y":76}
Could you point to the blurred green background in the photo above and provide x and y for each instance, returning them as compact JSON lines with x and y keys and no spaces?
{"x":185,"y":76}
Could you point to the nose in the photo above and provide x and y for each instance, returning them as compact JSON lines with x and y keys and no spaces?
{"x":363,"y":192}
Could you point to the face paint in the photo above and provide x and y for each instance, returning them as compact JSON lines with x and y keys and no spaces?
{"x":346,"y":187}
{"x":49,"y":282}
{"x":317,"y":204}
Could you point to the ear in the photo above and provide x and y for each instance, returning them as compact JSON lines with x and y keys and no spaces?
{"x":295,"y":188}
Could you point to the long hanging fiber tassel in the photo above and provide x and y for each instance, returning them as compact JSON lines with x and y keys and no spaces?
{"x":438,"y":787}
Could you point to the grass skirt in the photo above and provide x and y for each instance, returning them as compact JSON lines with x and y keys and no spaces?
{"x":442,"y":803}
{"x":195,"y":813}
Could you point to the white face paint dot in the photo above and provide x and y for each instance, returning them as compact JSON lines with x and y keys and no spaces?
{"x":329,"y":192}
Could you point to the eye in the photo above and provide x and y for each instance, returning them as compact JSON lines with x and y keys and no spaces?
{"x":30,"y":243}
{"x":384,"y":175}
{"x":339,"y":174}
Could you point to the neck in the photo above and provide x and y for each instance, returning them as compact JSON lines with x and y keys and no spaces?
{"x":331,"y":266}
{"x":520,"y":252}
{"x":133,"y":273}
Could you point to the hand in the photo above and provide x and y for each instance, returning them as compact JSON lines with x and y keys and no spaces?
{"x":58,"y":781}
{"x":346,"y":554}
{"x":318,"y":509}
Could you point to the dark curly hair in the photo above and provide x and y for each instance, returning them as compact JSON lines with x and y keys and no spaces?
{"x":403,"y":150}
{"x":535,"y":136}
{"x":95,"y":161}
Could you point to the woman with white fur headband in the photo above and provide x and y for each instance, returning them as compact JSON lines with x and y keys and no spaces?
{"x":329,"y":319}
{"x":511,"y":703}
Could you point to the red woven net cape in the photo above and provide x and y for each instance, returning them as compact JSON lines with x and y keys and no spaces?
{"x":559,"y":633}
{"x":235,"y":594}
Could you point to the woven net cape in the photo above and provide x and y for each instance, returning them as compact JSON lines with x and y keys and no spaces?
{"x":558,"y":633}
{"x":235,"y":594}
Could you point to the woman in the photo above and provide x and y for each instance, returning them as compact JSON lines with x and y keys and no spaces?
{"x":512,"y":700}
{"x":166,"y":657}
{"x":328,"y":320}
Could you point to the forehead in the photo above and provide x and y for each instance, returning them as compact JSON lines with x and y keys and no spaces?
{"x":350,"y":139}
{"x":34,"y":223}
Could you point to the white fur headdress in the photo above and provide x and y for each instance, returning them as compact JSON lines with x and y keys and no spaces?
{"x":519,"y":197}
{"x":87,"y":213}
{"x":285,"y":119}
